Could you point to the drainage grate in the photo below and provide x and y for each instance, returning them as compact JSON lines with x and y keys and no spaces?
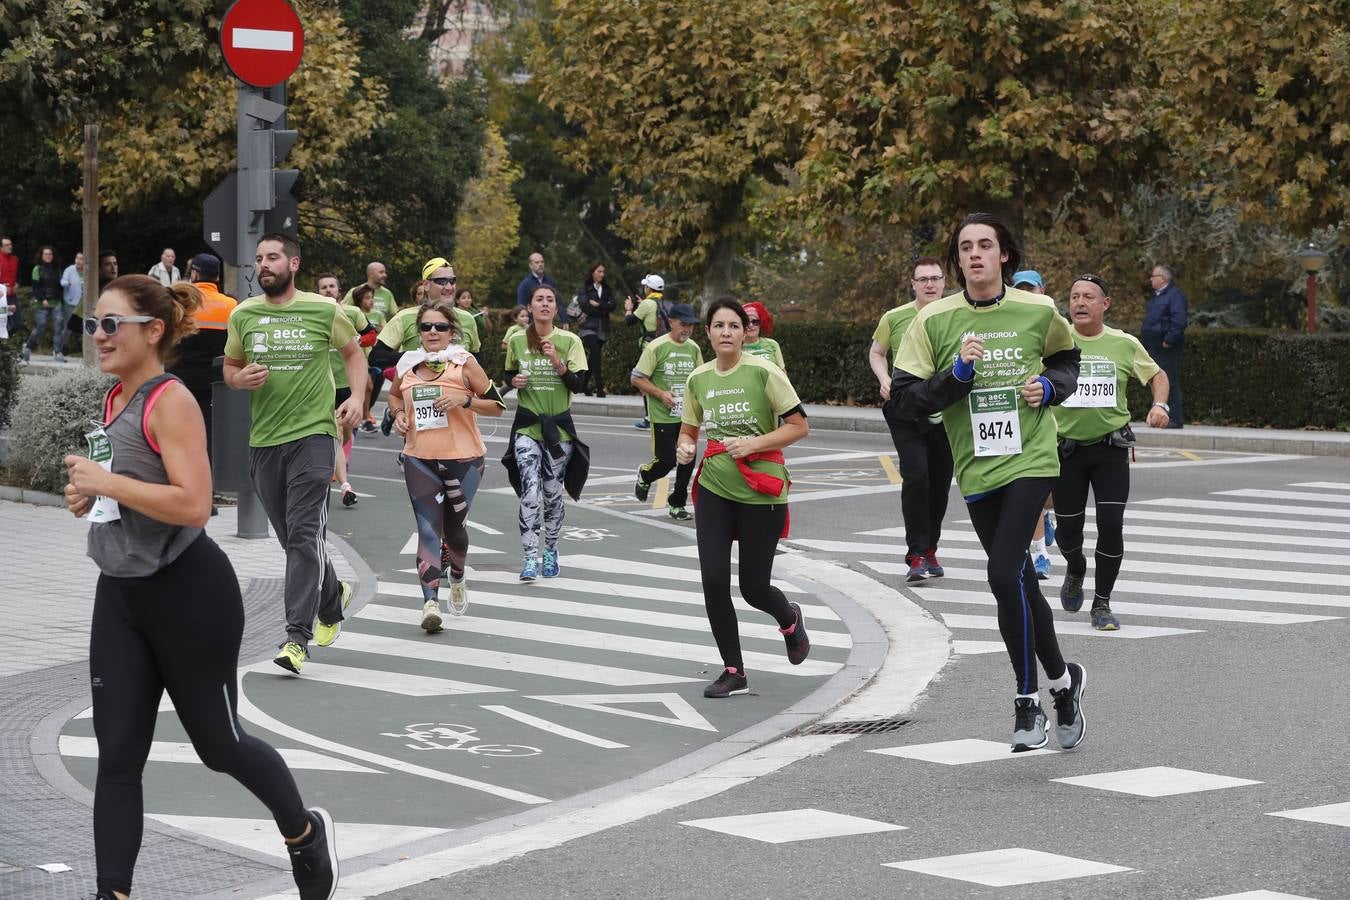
{"x":864,"y":726}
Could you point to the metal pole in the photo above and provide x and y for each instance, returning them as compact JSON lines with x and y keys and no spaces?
{"x":252,"y":518}
{"x":1312,"y":302}
{"x":89,"y":210}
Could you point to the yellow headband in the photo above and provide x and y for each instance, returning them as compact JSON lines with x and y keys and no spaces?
{"x":432,"y":265}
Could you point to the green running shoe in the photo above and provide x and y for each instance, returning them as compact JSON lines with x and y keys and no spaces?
{"x":324,"y":635}
{"x":291,"y":657}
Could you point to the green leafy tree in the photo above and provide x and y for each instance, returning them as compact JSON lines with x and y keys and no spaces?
{"x":488,"y":225}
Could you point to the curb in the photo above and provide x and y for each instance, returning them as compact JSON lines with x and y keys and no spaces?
{"x":27,"y":495}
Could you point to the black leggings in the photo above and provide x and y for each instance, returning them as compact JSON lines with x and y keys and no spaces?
{"x":926,"y":467}
{"x":1005,"y":519}
{"x":594,"y":346}
{"x":179,"y":630}
{"x":756,"y":527}
{"x":1106,"y":470}
{"x":664,"y":437}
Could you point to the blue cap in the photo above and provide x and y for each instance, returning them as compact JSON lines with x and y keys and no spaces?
{"x":1029,"y":276}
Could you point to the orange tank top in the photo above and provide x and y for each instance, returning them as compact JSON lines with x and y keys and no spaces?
{"x":434,"y":434}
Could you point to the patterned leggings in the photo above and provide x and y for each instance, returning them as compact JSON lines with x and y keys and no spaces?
{"x":441,"y":491}
{"x":541,"y":485}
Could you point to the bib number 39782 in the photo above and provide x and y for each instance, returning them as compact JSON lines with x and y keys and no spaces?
{"x":995,"y":426}
{"x":425,"y":414}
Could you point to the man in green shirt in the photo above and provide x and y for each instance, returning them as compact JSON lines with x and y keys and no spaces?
{"x":1094,"y":437}
{"x":920,"y":442}
{"x":661,"y":374}
{"x":399,"y":334}
{"x":277,"y":349}
{"x":384,"y":305}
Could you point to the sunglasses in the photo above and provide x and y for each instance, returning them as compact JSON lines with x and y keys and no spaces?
{"x":752,"y":321}
{"x":438,"y":326}
{"x":443,"y":281}
{"x":1094,"y":280}
{"x":110,"y":324}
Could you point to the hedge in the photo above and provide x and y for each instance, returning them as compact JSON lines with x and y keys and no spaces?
{"x":52,"y":416}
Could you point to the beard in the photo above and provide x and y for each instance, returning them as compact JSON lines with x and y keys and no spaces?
{"x":279,"y":283}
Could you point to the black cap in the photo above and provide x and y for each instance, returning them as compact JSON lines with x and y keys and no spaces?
{"x":205,"y":265}
{"x":683,"y":312}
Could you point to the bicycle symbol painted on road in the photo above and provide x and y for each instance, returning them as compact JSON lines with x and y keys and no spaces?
{"x":574,"y":533}
{"x":428,"y":736}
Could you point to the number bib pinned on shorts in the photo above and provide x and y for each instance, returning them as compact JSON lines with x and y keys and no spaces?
{"x":105,"y":509}
{"x":1096,"y":386}
{"x":425,"y":414}
{"x":995,"y":426}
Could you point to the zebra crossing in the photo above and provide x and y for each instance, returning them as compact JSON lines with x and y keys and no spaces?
{"x":1191,"y":565}
{"x":542,"y":691}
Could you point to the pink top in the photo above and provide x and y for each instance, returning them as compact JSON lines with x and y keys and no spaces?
{"x":452,"y":434}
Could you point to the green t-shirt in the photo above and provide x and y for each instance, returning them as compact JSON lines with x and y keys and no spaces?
{"x":401,"y":332}
{"x":668,"y":365}
{"x":510,"y":333}
{"x":746,"y":401}
{"x":292,"y":340}
{"x":766,"y":348}
{"x":995,"y":437}
{"x":892,"y":327}
{"x":382,"y":305}
{"x":468,"y":329}
{"x":546,"y":394}
{"x":647,"y":313}
{"x":1098,"y":407}
{"x":359,"y":324}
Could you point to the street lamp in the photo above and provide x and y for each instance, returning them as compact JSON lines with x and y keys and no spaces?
{"x":1312,"y":260}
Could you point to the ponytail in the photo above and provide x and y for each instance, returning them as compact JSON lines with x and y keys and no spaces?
{"x":187,"y":299}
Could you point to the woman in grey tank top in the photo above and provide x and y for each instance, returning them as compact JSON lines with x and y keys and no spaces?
{"x":168,"y":614}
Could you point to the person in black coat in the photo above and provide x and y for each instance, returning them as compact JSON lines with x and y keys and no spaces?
{"x":1163,"y":335}
{"x":596,"y":301}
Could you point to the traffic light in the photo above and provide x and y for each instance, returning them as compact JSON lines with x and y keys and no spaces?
{"x":269,"y":189}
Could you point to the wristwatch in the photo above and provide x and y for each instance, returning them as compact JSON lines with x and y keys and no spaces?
{"x":1164,"y":407}
{"x":468,"y":400}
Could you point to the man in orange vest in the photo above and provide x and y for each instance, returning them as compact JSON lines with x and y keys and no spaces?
{"x":197,"y":352}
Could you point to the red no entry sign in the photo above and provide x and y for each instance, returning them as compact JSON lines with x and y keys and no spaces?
{"x":262,"y":41}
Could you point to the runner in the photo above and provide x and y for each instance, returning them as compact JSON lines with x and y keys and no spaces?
{"x":328,"y":287}
{"x":920,"y":443}
{"x":650,"y":314}
{"x":1002,"y":441}
{"x":439,"y":391}
{"x":757,"y":340}
{"x":547,"y":366}
{"x":1094,"y":442}
{"x":1044,"y":536}
{"x":518,"y":320}
{"x":147,"y":494}
{"x":741,"y":490}
{"x":363,"y":298}
{"x":660,"y":374}
{"x":277,"y":349}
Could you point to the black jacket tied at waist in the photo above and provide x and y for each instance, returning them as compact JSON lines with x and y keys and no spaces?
{"x":578,"y":467}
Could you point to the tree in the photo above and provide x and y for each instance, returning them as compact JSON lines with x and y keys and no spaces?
{"x":488,"y":226}
{"x":671,"y":97}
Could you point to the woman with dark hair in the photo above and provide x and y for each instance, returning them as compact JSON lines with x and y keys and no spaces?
{"x":464,"y":300}
{"x":146,"y":490}
{"x":991,"y":359}
{"x":751,"y":413}
{"x":417,"y":294}
{"x":546,"y":365}
{"x":47,"y":304}
{"x":596,"y":301}
{"x":438,"y":395}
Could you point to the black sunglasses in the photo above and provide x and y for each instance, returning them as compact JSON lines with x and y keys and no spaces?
{"x":1095,"y":280}
{"x":752,"y":321}
{"x":439,"y":326}
{"x":443,"y":280}
{"x":110,"y":324}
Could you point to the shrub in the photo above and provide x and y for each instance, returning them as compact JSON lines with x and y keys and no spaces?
{"x":50,"y":421}
{"x":9,"y":378}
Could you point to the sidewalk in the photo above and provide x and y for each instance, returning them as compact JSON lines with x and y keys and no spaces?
{"x":46,"y":601}
{"x":1192,"y":437}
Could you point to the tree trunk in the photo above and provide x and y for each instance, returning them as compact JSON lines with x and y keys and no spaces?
{"x":90,"y":210}
{"x":717,"y":272}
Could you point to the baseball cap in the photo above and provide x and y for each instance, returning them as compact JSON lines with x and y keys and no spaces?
{"x":683,"y":312}
{"x":205,"y":265}
{"x":1029,"y":276}
{"x":431,"y":265}
{"x":655,"y":282}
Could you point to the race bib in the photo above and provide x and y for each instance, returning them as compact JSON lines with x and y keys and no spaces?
{"x":105,"y":509}
{"x":1096,"y":386}
{"x":678,"y":409}
{"x":995,"y":426}
{"x":425,"y":414}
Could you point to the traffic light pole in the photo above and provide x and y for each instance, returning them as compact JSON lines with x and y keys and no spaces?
{"x":248,"y":228}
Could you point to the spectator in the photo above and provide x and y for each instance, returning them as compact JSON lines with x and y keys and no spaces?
{"x":72,"y":282}
{"x":197,"y":353}
{"x":107,"y":268}
{"x":48,"y":309}
{"x":1163,"y":334}
{"x":165,"y":270}
{"x":533,"y":280}
{"x":384,"y":304}
{"x":9,"y":282}
{"x":596,"y":301}
{"x":417,"y":294}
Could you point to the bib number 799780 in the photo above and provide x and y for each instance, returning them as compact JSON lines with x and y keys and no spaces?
{"x":995,"y":426}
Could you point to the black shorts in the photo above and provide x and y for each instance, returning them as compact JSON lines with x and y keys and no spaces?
{"x":341,"y":395}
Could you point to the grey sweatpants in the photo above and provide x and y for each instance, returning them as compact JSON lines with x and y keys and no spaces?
{"x":292,"y":482}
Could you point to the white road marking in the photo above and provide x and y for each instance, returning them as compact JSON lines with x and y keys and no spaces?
{"x":555,"y":728}
{"x":681,"y":712}
{"x":1159,"y":610}
{"x":388,"y":682}
{"x":261,"y":836}
{"x":792,"y":825}
{"x":176,"y":752}
{"x":445,"y":652}
{"x":1302,"y":496}
{"x":684,"y":574}
{"x":1156,"y":781}
{"x":1332,"y":814}
{"x":972,"y":648}
{"x":1006,"y":868}
{"x":1134,"y":545}
{"x":961,"y":752}
{"x":1324,"y":485}
{"x":1128,"y":632}
{"x":1236,"y":506}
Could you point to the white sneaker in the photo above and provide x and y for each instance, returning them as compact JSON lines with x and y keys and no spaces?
{"x":431,"y":617}
{"x":459,"y":598}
